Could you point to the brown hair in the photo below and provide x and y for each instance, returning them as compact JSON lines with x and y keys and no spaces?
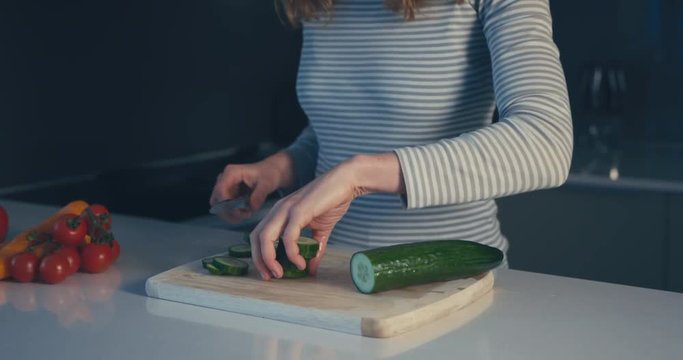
{"x":298,"y":10}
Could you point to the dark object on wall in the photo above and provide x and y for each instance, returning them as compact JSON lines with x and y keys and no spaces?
{"x":604,"y":88}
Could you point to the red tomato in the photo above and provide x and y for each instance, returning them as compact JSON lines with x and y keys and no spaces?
{"x":102,"y":214}
{"x":115,"y":250}
{"x":4,"y":224}
{"x":72,"y":257}
{"x":54,"y":269}
{"x":23,"y":267}
{"x":69,"y":230}
{"x":96,"y":258}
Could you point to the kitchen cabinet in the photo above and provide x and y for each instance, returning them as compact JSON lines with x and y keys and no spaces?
{"x":616,"y":236}
{"x":675,"y":265}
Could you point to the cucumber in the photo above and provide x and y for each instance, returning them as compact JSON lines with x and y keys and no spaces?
{"x":240,"y":251}
{"x":212,"y":269}
{"x":396,"y":266}
{"x":294,"y":273}
{"x":206,"y":261}
{"x":290,"y":271}
{"x":230,"y":266}
{"x":308,"y":248}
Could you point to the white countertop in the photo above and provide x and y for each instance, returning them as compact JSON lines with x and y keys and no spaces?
{"x":108,"y":316}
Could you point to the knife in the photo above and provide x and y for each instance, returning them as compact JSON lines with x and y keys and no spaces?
{"x":226,"y":206}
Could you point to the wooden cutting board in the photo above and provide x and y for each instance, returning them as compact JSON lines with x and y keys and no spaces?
{"x":329,"y":300}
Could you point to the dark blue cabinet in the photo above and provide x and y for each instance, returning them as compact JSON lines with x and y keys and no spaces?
{"x":604,"y":235}
{"x":675,"y":246}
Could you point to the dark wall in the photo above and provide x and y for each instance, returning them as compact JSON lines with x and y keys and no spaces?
{"x":95,"y":85}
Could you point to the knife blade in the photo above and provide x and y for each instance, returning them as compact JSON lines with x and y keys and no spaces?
{"x":226,"y":206}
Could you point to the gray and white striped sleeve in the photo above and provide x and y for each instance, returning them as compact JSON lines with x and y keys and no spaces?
{"x":530,"y":147}
{"x":304,"y":152}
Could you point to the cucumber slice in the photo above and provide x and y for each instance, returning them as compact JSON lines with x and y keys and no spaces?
{"x":290,"y":271}
{"x":363,"y":273}
{"x":230,"y":266}
{"x":308,"y":248}
{"x":213,"y":270}
{"x":396,"y":266}
{"x":206,"y":261}
{"x":293,"y":272}
{"x":240,"y":251}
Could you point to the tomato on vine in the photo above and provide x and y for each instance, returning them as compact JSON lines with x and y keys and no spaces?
{"x":23,"y":267}
{"x":69,"y":230}
{"x":115,"y":250}
{"x":53,"y":269}
{"x":72,"y":257}
{"x":96,"y":258}
{"x":102,"y":216}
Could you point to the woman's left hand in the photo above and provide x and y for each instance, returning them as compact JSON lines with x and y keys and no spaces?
{"x":318,"y":206}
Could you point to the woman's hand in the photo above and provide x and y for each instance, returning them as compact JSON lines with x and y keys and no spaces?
{"x":319,"y":206}
{"x":255,"y":180}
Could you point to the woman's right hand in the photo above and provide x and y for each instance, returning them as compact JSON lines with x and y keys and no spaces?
{"x":256,"y":180}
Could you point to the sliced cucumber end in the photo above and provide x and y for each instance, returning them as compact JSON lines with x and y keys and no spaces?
{"x":362,"y":273}
{"x":230,"y":266}
{"x":213,"y":270}
{"x":240,"y":251}
{"x":207,"y":261}
{"x":294,"y":273}
{"x":308,"y":248}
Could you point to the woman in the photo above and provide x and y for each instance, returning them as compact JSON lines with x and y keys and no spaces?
{"x":401,"y":147}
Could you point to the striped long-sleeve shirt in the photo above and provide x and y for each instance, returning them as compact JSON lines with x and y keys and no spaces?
{"x":371,"y":82}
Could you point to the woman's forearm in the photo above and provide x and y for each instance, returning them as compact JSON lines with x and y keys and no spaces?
{"x":377,"y":173}
{"x":372,"y":173}
{"x":283,"y":164}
